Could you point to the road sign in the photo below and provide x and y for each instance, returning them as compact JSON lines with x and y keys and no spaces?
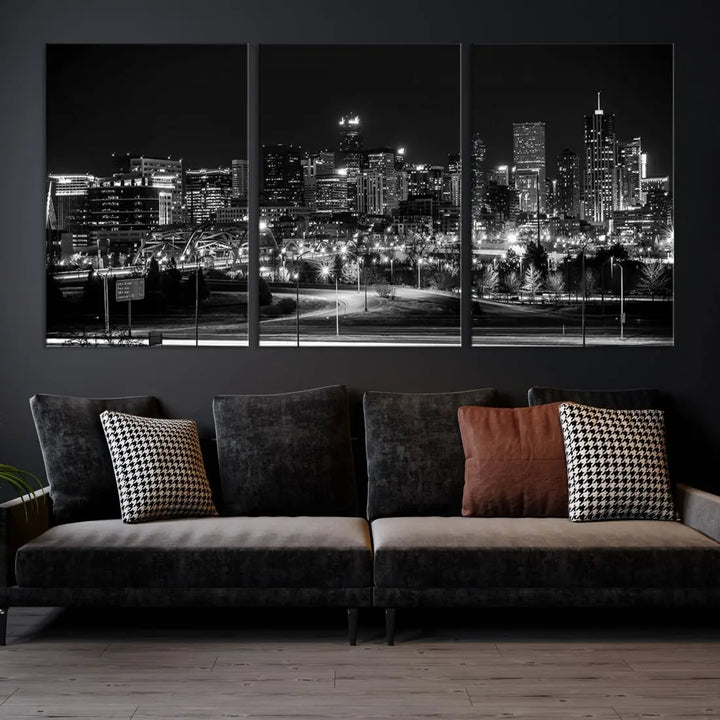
{"x":129,"y":289}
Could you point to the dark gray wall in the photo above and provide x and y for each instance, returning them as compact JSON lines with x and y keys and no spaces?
{"x":185,"y":379}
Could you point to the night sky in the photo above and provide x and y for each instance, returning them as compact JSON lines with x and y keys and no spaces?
{"x":190,"y":101}
{"x":406,"y":96}
{"x":558,"y":84}
{"x":187,"y":101}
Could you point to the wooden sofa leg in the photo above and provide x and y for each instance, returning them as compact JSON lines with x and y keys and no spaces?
{"x":3,"y":624}
{"x":390,"y":626}
{"x":352,"y":625}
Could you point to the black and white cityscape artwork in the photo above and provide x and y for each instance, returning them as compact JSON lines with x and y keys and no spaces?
{"x":572,"y":239}
{"x":146,"y":212}
{"x":572,"y":168}
{"x":360,"y":195}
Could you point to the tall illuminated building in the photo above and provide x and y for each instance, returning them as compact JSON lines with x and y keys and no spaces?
{"x":425,"y":180}
{"x":206,"y":191}
{"x":567,"y":187}
{"x":331,"y":193}
{"x":69,"y":194}
{"x":452,"y":194}
{"x":371,"y":193}
{"x":600,"y":163}
{"x":350,"y":147}
{"x":382,"y":162}
{"x":350,"y":140}
{"x":630,"y":173}
{"x":282,"y":175}
{"x":239,"y":179}
{"x":500,"y":175}
{"x":163,"y":173}
{"x":479,"y":175}
{"x":529,"y":161}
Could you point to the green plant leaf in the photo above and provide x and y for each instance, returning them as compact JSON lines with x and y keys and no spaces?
{"x":23,"y":482}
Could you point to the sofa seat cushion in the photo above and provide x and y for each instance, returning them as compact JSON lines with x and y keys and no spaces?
{"x":461,"y":552}
{"x":282,"y":552}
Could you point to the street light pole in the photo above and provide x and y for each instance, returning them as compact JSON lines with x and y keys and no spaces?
{"x":622,"y":298}
{"x":584,"y":296}
{"x":337,"y":307}
{"x":197,"y":303}
{"x":365,"y":281}
{"x":297,"y":306}
{"x":537,"y":195}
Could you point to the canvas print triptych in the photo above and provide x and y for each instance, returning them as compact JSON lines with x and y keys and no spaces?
{"x":360,"y":237}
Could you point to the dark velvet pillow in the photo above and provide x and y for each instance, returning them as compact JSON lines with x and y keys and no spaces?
{"x":416,"y":463}
{"x":77,"y":460}
{"x":636,"y":399}
{"x":287,"y":454}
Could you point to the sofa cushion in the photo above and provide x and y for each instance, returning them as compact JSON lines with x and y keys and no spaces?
{"x":635,"y":399}
{"x":158,"y":467}
{"x":617,"y":464}
{"x":77,"y":461}
{"x":514,"y":462}
{"x":287,"y":454}
{"x":331,"y":552}
{"x":437,"y":552}
{"x":415,"y":456}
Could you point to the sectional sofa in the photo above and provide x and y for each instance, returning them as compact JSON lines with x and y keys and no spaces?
{"x":290,"y":532}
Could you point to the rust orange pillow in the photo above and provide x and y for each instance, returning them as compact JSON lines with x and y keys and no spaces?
{"x":514,"y":462}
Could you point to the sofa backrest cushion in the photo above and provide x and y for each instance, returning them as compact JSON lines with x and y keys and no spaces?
{"x":635,"y":399}
{"x":286,"y":454}
{"x":414,"y":451}
{"x":76,"y":455}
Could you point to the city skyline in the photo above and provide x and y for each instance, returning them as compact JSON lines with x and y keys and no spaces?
{"x":558,"y":85}
{"x":360,"y":175}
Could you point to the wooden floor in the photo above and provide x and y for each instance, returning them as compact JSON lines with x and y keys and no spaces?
{"x":143,"y":665}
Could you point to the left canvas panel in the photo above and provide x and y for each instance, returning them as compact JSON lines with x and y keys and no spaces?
{"x":146,"y":211}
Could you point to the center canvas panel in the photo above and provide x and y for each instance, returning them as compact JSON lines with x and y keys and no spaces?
{"x":360,"y":195}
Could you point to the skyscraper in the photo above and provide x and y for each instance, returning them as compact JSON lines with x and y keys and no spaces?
{"x":165,"y":174}
{"x":350,"y":145}
{"x":567,"y":192}
{"x":282,"y":181}
{"x":600,"y":162}
{"x":239,"y":179}
{"x":453,"y":179}
{"x":331,"y":194}
{"x":383,"y":163}
{"x":371,"y":193}
{"x":69,"y":194}
{"x":500,"y":175}
{"x":206,"y":191}
{"x":629,"y":159}
{"x":529,"y":161}
{"x":315,"y":165}
{"x":479,"y":175}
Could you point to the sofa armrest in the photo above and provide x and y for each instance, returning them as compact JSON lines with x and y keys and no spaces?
{"x":20,"y":523}
{"x":699,"y":509}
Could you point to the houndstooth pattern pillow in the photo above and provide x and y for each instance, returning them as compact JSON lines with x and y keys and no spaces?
{"x":158,"y":467}
{"x":616,"y":463}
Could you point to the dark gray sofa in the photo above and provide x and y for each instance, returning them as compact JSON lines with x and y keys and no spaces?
{"x":425,"y":554}
{"x":422,"y":552}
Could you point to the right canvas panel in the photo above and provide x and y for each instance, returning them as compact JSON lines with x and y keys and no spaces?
{"x":572,"y":195}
